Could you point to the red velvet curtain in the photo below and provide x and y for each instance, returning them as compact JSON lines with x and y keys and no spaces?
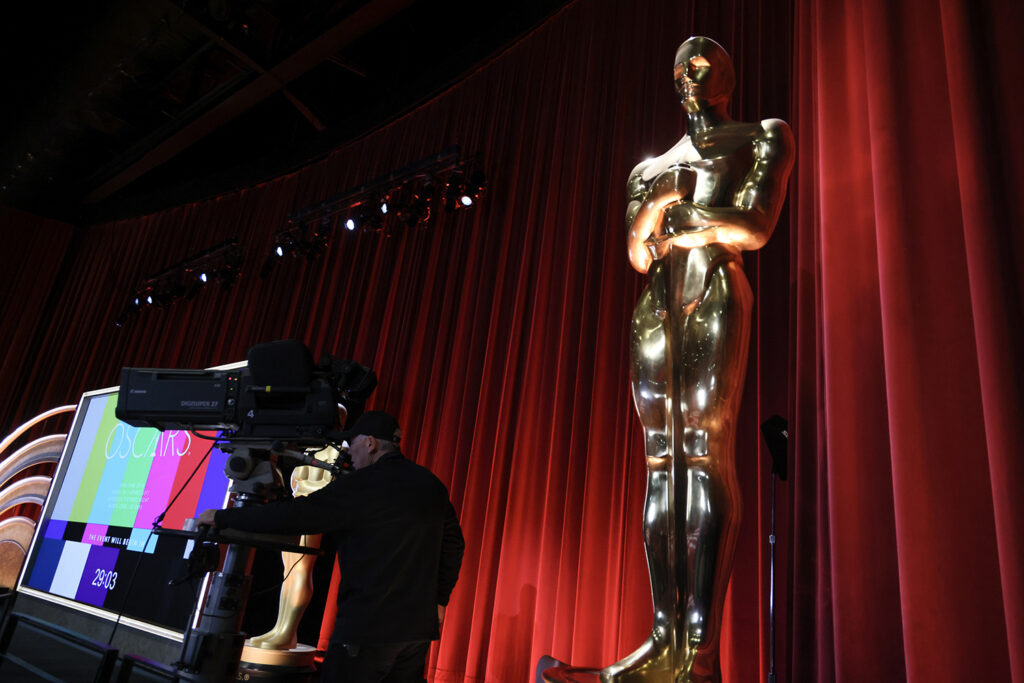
{"x":908,"y":522}
{"x":34,"y":249}
{"x":888,"y":304}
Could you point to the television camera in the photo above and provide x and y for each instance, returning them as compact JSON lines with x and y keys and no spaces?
{"x":280,"y":405}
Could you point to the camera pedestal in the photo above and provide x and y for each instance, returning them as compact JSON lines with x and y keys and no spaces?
{"x":212,"y":648}
{"x":213,"y":642}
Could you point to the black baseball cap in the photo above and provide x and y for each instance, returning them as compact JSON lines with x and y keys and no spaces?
{"x":375,"y":423}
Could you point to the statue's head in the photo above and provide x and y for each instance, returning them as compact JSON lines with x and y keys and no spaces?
{"x":703,"y":73}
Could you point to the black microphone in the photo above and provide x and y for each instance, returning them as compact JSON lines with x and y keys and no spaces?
{"x":775,"y":431}
{"x":312,"y":461}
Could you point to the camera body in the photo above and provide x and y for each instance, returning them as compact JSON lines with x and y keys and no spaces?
{"x":229,"y":400}
{"x":280,"y":397}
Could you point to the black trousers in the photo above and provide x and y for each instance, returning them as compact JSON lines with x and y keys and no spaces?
{"x":380,"y":663}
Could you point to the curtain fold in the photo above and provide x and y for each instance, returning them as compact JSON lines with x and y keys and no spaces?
{"x":32,"y":264}
{"x":916,"y":285}
{"x":887,"y":331}
{"x":984,"y":140}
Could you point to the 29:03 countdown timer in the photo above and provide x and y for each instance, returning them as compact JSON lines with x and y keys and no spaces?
{"x":105,"y":579}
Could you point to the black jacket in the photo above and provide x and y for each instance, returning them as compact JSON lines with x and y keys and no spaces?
{"x":399,"y":546}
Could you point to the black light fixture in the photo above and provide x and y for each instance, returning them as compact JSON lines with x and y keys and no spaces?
{"x":464,"y":187}
{"x":307,"y":238}
{"x":193,"y":282}
{"x":369,"y":216}
{"x":455,"y":191}
{"x":285,"y":244}
{"x":184,"y":280}
{"x":417,"y":211}
{"x":161,"y":299}
{"x":474,"y":189}
{"x":406,"y":193}
{"x":316,"y":245}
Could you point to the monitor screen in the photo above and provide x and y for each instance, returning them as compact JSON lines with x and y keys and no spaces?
{"x":93,"y":548}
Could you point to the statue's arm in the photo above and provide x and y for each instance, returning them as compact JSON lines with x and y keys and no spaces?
{"x":750,"y":220}
{"x":306,"y":478}
{"x":645,"y":212}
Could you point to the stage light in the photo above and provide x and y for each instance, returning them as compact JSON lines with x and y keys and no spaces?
{"x":469,"y":191}
{"x":462,"y":193}
{"x":401,"y":198}
{"x":313,"y":238}
{"x":454,"y":191}
{"x":316,"y":245}
{"x":474,"y":189}
{"x":285,"y":244}
{"x":184,"y":280}
{"x":368,"y":216}
{"x":418,"y":211}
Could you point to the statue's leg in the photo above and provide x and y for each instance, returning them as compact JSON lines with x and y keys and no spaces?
{"x":296,"y":592}
{"x":653,"y":661}
{"x":712,"y":351}
{"x":688,"y":365}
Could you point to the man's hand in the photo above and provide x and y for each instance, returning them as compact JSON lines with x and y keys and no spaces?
{"x":440,"y":616}
{"x":207,"y":519}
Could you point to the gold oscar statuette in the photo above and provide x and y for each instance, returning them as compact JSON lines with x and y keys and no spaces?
{"x":691,"y":212}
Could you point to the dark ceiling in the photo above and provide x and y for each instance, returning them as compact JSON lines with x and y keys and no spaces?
{"x":121,"y":107}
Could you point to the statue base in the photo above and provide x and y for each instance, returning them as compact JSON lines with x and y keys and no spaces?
{"x":297,"y":664}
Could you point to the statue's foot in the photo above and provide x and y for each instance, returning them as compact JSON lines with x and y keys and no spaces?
{"x":256,"y":640}
{"x":273,"y":640}
{"x":652,"y":662}
{"x":279,"y":643}
{"x":571,"y":674}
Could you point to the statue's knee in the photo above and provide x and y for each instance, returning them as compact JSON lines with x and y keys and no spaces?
{"x":695,"y":442}
{"x":656,"y":443}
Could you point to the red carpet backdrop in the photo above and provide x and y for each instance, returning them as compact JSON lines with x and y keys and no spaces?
{"x":887,"y":330}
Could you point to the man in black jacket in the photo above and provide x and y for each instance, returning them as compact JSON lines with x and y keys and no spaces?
{"x":399,"y":549}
